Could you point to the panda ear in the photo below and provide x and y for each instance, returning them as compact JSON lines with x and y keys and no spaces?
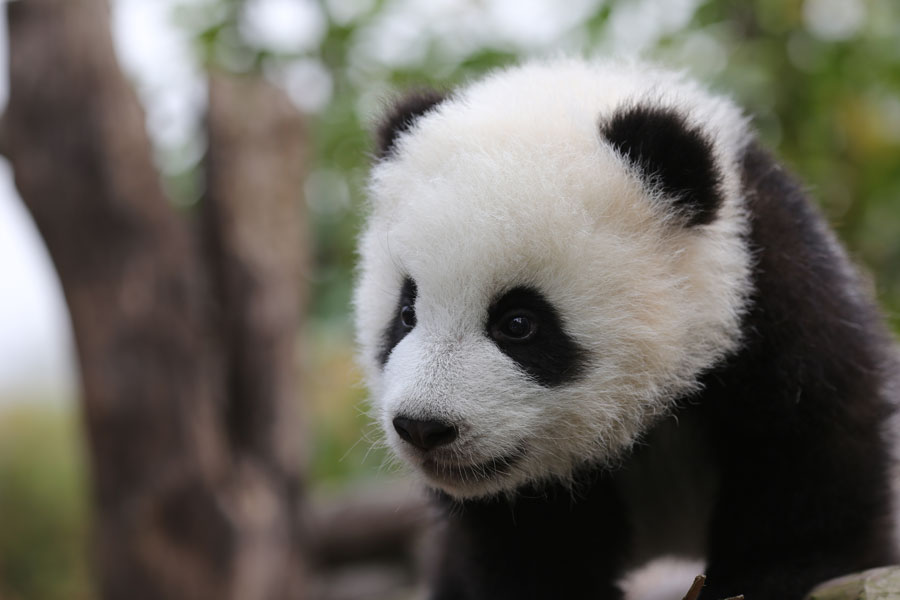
{"x":401,"y":117}
{"x":671,"y":156}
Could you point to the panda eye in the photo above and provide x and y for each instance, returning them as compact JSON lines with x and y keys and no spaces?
{"x":516,"y":326}
{"x":408,"y":316}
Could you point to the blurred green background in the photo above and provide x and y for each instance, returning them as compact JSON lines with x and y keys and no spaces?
{"x":820,"y":78}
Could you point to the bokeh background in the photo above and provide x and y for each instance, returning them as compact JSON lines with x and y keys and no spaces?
{"x":820,"y":78}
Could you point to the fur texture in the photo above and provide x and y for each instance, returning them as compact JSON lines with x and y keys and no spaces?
{"x":560,"y":261}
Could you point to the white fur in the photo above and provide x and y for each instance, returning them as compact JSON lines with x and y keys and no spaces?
{"x":666,"y":578}
{"x":509,"y":182}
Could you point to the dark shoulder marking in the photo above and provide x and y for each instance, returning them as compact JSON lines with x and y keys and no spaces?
{"x":797,"y":415}
{"x":401,"y":117}
{"x":671,"y":156}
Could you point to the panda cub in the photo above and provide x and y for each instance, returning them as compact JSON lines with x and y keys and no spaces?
{"x":604,"y":325}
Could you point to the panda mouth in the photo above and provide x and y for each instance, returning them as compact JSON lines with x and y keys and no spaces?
{"x":456,"y":472}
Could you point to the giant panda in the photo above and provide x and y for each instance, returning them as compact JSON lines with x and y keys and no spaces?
{"x":602,"y":324}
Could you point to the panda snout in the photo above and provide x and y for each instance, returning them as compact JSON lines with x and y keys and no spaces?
{"x":425,"y":435}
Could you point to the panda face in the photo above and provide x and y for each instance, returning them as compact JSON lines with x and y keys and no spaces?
{"x":529,"y":300}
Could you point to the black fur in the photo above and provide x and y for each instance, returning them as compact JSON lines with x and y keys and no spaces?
{"x":671,"y":156}
{"x":552,"y":357}
{"x":396,"y":330}
{"x":402,"y":116}
{"x":542,"y":545}
{"x":793,"y":422}
{"x":797,"y":418}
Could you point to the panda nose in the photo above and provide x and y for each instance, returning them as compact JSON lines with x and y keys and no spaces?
{"x":425,"y":435}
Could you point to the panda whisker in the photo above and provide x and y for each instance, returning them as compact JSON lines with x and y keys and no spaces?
{"x":372,"y":446}
{"x":351,"y":448}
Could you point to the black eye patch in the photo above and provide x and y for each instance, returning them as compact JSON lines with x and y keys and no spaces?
{"x":528,"y":329}
{"x":402,"y":321}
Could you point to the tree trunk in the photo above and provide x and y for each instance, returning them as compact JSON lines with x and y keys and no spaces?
{"x":187,"y":371}
{"x":252,"y":216}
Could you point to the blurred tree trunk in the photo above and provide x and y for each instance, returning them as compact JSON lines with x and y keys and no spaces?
{"x":186,"y":344}
{"x":253,"y":237}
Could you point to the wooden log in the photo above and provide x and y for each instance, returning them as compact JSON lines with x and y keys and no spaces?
{"x":385,"y":524}
{"x":874,"y":584}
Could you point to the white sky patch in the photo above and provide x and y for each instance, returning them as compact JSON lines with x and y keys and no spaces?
{"x":401,"y":33}
{"x":636,"y":26}
{"x":393,"y":40}
{"x":345,"y":12}
{"x":529,"y":23}
{"x":706,"y":55}
{"x":307,"y":82}
{"x":35,"y":335}
{"x":284,"y":26}
{"x":159,"y":58}
{"x":834,"y":20}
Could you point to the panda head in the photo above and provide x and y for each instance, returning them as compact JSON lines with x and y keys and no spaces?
{"x":553,"y":255}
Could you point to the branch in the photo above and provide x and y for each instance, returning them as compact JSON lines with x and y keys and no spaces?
{"x":383,"y":525}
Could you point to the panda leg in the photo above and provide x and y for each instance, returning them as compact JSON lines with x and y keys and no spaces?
{"x":784,"y":525}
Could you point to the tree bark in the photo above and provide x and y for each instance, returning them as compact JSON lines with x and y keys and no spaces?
{"x":252,"y":219}
{"x":187,"y":375}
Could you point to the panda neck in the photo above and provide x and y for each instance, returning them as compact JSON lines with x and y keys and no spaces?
{"x":554,"y":528}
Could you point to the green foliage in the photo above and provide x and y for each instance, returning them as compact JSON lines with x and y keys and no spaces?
{"x":831,"y":109}
{"x":828,"y":106}
{"x":820,"y":78}
{"x":43,"y":506}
